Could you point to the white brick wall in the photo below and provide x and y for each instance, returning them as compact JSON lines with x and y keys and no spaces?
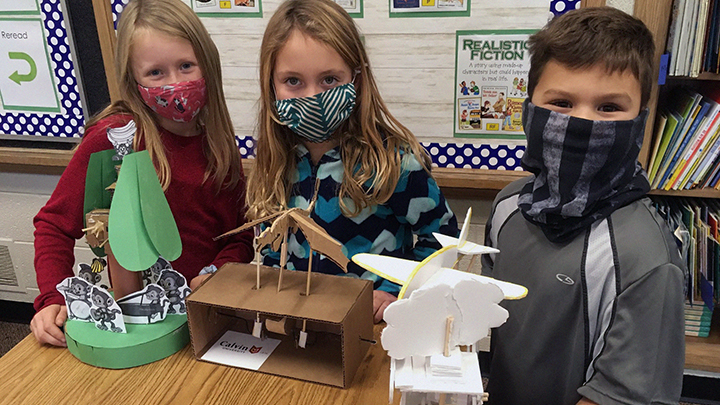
{"x":21,"y":197}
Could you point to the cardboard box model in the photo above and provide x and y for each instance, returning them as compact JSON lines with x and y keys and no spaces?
{"x":337,"y":314}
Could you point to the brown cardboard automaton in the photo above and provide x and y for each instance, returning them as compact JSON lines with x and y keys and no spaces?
{"x":324,"y":322}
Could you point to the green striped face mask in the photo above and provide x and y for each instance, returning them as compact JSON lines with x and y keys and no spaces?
{"x":315,"y":118}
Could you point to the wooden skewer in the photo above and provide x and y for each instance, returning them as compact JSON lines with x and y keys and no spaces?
{"x":257,"y":258}
{"x":257,"y":276}
{"x":309,"y":270}
{"x":472,"y":260}
{"x":448,"y":330}
{"x":283,"y":260}
{"x":441,"y":401}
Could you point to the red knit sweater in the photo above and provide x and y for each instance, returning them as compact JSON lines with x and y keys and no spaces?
{"x":199,"y":212}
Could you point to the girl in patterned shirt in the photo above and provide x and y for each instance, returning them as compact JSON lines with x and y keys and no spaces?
{"x":321,"y":116}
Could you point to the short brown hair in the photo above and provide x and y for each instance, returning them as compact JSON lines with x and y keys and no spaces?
{"x":585,"y":37}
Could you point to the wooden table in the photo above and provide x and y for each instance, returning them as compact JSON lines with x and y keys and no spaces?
{"x":35,"y":374}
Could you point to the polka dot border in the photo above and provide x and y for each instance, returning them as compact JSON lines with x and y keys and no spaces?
{"x":117,"y":8}
{"x":69,"y":123}
{"x":451,"y":155}
{"x":558,"y":7}
{"x":475,"y":156}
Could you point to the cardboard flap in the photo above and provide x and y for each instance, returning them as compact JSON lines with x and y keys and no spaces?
{"x":233,"y":286}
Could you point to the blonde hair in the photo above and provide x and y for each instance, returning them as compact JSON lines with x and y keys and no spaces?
{"x":371,"y":140}
{"x":174,"y":18}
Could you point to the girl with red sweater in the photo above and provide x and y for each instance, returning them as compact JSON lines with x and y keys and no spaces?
{"x":171,"y":88}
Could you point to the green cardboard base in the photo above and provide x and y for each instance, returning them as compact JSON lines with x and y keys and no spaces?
{"x":142,"y":344}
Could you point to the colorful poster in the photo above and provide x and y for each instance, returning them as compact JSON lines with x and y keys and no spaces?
{"x":227,"y":8}
{"x":491,"y":70}
{"x":429,"y":8}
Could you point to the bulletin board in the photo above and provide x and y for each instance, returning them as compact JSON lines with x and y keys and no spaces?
{"x":39,"y":89}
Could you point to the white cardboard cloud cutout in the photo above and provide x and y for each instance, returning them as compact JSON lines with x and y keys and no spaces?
{"x":416,"y":325}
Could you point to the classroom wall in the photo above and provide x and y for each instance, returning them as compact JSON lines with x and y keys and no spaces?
{"x":413,"y":59}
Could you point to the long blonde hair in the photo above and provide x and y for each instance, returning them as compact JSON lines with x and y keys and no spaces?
{"x":371,"y":140}
{"x":175,"y":19}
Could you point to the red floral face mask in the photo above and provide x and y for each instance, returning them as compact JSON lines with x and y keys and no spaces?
{"x":179,"y":102}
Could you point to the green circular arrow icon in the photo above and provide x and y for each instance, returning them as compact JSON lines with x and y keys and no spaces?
{"x":16,"y":76}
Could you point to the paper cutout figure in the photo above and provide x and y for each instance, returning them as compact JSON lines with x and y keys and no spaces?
{"x":439,"y":309}
{"x":152,"y":275}
{"x":148,"y":305}
{"x":141,"y":226}
{"x":86,"y":272}
{"x":122,"y":139}
{"x":472,"y":304}
{"x":76,"y":291}
{"x":292,"y":220}
{"x":105,"y":311}
{"x":176,"y":290}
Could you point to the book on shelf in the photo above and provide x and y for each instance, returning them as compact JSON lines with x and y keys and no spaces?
{"x":699,"y":40}
{"x":709,"y":37}
{"x":713,"y":41}
{"x":677,"y":148}
{"x":704,"y":162}
{"x":686,"y":146}
{"x":686,"y":102}
{"x":698,"y":319}
{"x":696,"y":146}
{"x":661,"y":127}
{"x":673,"y":38}
{"x":694,"y":223}
{"x":687,"y":43}
{"x":712,"y":180}
{"x":693,"y":39}
{"x":662,"y":140}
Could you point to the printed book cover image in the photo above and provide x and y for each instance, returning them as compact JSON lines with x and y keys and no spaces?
{"x":494,"y":101}
{"x":449,"y":3}
{"x":406,"y":3}
{"x":513,"y":114}
{"x":470,"y":114}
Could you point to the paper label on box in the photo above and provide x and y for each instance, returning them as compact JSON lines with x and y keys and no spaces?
{"x":241,"y":350}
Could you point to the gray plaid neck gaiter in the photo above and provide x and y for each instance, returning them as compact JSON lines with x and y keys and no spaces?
{"x":583,"y":170}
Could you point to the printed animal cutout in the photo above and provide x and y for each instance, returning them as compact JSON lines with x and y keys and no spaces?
{"x":76,"y":291}
{"x":176,"y":289}
{"x":105,"y":312}
{"x":148,"y":305}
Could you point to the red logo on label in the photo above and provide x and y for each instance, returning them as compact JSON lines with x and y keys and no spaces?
{"x":255,"y":349}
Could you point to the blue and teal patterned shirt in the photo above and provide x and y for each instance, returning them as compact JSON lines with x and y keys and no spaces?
{"x":417,"y":207}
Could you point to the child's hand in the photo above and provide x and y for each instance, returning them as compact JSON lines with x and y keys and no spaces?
{"x":195,"y":282}
{"x":381,"y":300}
{"x":46,"y":324}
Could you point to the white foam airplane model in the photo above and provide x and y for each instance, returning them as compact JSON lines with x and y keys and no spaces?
{"x":436,"y":268}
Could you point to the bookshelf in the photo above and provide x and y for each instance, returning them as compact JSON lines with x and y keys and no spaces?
{"x":702,"y":354}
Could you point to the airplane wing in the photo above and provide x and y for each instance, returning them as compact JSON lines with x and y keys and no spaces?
{"x":468,"y":248}
{"x":412,"y":275}
{"x":390,"y":268}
